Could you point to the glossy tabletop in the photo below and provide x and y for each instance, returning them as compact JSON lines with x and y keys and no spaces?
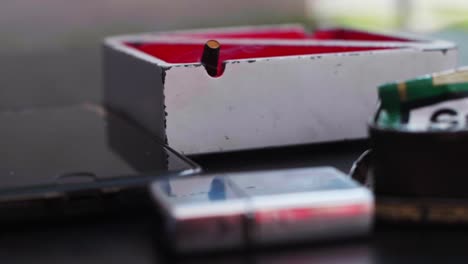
{"x":135,"y":237}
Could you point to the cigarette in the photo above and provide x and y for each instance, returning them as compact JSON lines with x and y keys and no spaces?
{"x":210,"y":57}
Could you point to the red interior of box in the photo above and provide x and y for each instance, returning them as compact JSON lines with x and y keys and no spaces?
{"x":191,"y":53}
{"x":348,"y":34}
{"x":299,"y":33}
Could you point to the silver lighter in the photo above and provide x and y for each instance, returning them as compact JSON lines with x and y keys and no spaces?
{"x":222,"y":211}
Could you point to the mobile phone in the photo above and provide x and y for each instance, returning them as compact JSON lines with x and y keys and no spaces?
{"x":262,"y":207}
{"x":78,"y":159}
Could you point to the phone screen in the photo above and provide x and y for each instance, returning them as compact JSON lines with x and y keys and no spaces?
{"x":76,"y":145}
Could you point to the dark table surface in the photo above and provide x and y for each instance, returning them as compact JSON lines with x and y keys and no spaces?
{"x":134,"y":238}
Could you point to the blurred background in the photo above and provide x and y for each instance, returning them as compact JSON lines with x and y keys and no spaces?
{"x":50,"y":49}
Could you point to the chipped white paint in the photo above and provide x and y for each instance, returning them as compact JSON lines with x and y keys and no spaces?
{"x":271,"y":102}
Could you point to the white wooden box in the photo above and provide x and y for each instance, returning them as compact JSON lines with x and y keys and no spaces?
{"x":280,"y":86}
